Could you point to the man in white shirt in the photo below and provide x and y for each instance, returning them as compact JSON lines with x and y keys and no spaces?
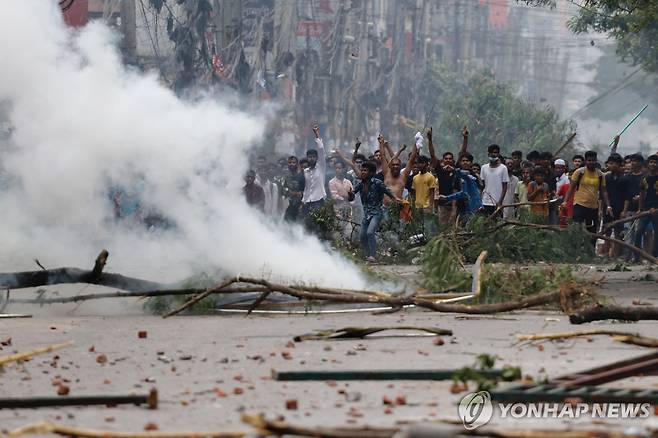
{"x":495,"y":177}
{"x":561,"y":177}
{"x":314,"y":176}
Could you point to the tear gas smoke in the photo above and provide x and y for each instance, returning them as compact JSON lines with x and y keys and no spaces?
{"x":83,"y":123}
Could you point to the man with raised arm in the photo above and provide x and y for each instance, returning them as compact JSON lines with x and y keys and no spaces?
{"x":372,"y":191}
{"x":314,"y":176}
{"x":395,"y":177}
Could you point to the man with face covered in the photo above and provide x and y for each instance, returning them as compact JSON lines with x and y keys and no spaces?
{"x":293,"y":190}
{"x":495,"y":176}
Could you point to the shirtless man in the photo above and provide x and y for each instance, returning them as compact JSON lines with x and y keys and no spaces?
{"x":395,"y":177}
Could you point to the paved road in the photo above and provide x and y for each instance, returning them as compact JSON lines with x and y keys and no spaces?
{"x":209,"y":369}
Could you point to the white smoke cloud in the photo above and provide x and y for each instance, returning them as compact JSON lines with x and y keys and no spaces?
{"x":81,"y":119}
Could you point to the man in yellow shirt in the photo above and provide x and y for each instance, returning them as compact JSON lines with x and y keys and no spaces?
{"x":423,"y":186}
{"x":422,"y":192}
{"x":587,"y":187}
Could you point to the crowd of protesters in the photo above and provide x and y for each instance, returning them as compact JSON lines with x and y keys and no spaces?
{"x":441,"y":190}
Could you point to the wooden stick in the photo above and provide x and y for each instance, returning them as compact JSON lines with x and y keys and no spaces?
{"x":640,"y":341}
{"x":567,"y":335}
{"x":645,"y":255}
{"x":564,"y":145}
{"x":14,"y":315}
{"x":626,"y":219}
{"x":362,"y":332}
{"x":402,"y":374}
{"x":201,"y":296}
{"x":476,"y":284}
{"x":259,"y":300}
{"x":536,"y":226}
{"x":150,"y":399}
{"x":44,"y":428}
{"x":28,"y":354}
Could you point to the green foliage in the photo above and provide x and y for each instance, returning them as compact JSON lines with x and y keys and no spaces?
{"x":441,"y":268}
{"x":493,"y":114}
{"x":523,"y":244}
{"x":634,"y":24}
{"x":485,"y":362}
{"x":499,"y":285}
{"x":441,"y":259}
{"x":323,"y":221}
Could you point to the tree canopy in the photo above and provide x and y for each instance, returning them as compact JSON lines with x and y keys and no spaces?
{"x":493,"y":114}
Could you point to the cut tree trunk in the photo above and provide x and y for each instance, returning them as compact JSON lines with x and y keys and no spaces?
{"x":19,"y":280}
{"x":598,"y":313}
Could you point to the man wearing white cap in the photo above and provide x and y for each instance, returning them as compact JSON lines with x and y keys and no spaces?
{"x":561,"y":177}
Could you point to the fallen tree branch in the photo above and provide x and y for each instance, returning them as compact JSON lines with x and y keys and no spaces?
{"x":362,"y":332}
{"x":118,"y":294}
{"x":95,"y":274}
{"x":601,"y":312}
{"x":44,"y":428}
{"x":29,"y":354}
{"x":272,"y":427}
{"x":567,"y":335}
{"x":395,"y":301}
{"x":419,"y":430}
{"x":19,"y":280}
{"x":645,"y":255}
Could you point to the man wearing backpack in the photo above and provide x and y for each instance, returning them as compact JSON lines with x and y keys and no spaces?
{"x":587,"y":188}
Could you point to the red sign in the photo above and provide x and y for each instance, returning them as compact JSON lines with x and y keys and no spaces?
{"x":76,"y":12}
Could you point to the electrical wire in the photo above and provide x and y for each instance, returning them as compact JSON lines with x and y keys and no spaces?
{"x":614,"y":90}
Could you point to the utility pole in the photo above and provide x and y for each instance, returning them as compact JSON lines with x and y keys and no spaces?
{"x":128,"y":29}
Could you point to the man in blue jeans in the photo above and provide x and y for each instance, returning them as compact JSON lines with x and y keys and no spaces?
{"x":649,"y":202}
{"x":372,"y":191}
